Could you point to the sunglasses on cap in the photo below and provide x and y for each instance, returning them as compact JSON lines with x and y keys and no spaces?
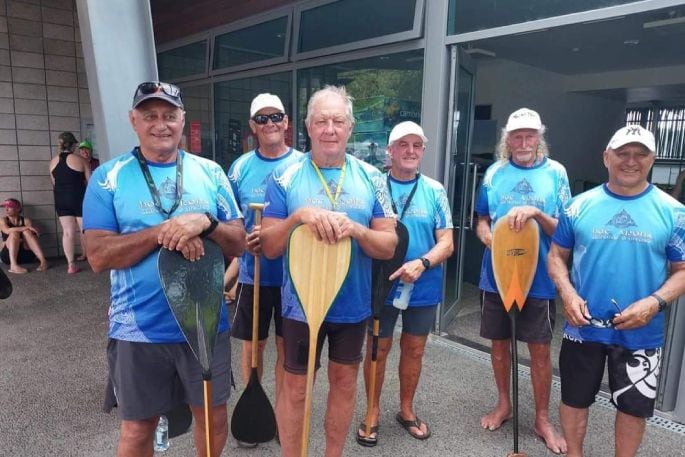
{"x":603,"y":323}
{"x":152,"y":87}
{"x":263,"y":119}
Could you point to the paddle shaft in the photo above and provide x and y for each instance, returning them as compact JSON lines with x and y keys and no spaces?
{"x":209,"y":419}
{"x":515,"y":377}
{"x":372,"y":376}
{"x":255,"y":295}
{"x":311,"y":364}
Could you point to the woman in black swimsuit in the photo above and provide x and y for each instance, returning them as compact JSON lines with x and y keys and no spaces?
{"x":69,"y":173}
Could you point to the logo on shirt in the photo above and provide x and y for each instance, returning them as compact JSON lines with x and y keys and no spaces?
{"x":333,"y":188}
{"x":622,"y":220}
{"x":523,"y":187}
{"x":168,"y":189}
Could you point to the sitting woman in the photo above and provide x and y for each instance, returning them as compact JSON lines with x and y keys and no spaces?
{"x":21,"y":239}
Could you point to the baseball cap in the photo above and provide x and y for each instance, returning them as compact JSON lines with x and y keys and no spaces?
{"x":406,"y":128}
{"x":523,"y":118}
{"x":11,"y":203}
{"x":86,"y":144}
{"x":265,"y":100}
{"x":156,"y":89}
{"x":632,"y":134}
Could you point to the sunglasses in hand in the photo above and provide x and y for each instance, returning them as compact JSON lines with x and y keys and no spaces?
{"x":263,"y":119}
{"x":603,"y":323}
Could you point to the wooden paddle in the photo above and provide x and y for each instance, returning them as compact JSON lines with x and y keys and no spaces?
{"x":380,"y":287}
{"x":194,"y":291}
{"x":317,"y":272}
{"x":514,"y":262}
{"x":253,"y":419}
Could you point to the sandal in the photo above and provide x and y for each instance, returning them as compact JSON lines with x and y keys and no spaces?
{"x":367,"y":441}
{"x":408,"y":424}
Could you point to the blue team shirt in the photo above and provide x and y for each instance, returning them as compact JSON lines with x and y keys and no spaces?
{"x":428,"y":211}
{"x":118,"y":200}
{"x":364,"y":196}
{"x":248,"y":176}
{"x":507,"y":185}
{"x":621,"y":250}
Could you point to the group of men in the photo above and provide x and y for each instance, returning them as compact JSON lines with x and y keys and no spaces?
{"x":157,"y":196}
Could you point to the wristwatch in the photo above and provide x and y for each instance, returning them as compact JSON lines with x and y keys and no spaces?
{"x":662,"y":303}
{"x":213,"y":222}
{"x":426,"y":263}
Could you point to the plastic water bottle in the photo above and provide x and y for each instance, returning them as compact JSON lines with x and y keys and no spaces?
{"x":402,"y":295}
{"x":162,"y":435}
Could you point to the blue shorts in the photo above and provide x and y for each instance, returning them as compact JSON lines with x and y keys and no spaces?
{"x":416,"y":320}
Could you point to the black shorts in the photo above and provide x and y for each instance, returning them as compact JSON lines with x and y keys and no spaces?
{"x":150,"y":379}
{"x":633,"y":375}
{"x":269,"y":305}
{"x":345,"y":343}
{"x":534,"y":323}
{"x":23,"y":256}
{"x":416,"y":320}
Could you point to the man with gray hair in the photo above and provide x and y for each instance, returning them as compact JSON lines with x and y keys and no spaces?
{"x":337,"y":196}
{"x":523,"y":184}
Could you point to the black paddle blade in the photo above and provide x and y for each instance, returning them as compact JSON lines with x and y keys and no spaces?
{"x":381,"y":269}
{"x":5,"y":285}
{"x":194,"y":291}
{"x":253,"y":419}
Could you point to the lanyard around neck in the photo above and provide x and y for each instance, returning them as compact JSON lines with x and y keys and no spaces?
{"x":153,"y":189}
{"x":338,"y":187}
{"x":409,"y":198}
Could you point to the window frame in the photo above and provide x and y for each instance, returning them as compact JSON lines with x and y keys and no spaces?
{"x":185,"y":41}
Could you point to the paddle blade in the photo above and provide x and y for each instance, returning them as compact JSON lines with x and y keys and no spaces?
{"x":382,"y":269}
{"x":194,"y":291}
{"x":5,"y":285}
{"x":514,"y":260}
{"x":317,"y":271}
{"x":253,"y":419}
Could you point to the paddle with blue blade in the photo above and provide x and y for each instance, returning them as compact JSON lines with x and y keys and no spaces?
{"x":514,"y":262}
{"x":253,"y":419}
{"x":317,"y":272}
{"x":194,"y":291}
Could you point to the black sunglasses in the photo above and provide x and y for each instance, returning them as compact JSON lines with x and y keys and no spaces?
{"x":603,"y":323}
{"x":152,"y":86}
{"x":263,"y":119}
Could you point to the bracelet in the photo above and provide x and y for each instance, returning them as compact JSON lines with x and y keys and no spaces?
{"x":662,"y":303}
{"x":213,"y":222}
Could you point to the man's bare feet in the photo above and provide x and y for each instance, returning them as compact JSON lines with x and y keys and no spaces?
{"x":553,"y":440}
{"x":495,"y":418}
{"x":43,"y":266}
{"x":18,"y":269}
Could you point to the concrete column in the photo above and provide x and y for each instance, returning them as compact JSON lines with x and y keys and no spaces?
{"x":119,"y":52}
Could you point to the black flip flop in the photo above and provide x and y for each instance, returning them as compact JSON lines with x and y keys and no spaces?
{"x":367,"y":441}
{"x":408,"y":424}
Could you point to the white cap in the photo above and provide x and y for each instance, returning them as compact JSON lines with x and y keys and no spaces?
{"x":266,"y":100}
{"x":632,"y":134}
{"x":406,"y":128}
{"x":523,"y":118}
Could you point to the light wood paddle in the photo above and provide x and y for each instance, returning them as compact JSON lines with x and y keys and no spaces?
{"x":194,"y":291}
{"x":253,"y":419}
{"x":514,"y":262}
{"x":317,"y":272}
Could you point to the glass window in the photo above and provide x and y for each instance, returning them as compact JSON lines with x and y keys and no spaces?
{"x":252,"y":44}
{"x":232,"y":101}
{"x":353,"y":20}
{"x":197,"y":135}
{"x":471,"y":15}
{"x":386,"y":91}
{"x":187,"y":60}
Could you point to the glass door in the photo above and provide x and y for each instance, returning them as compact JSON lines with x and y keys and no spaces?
{"x":461,"y":185}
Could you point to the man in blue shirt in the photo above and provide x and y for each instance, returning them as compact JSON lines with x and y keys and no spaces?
{"x":336,"y":196}
{"x":248,"y":176}
{"x":157,"y":196}
{"x":628,"y":242}
{"x":421,"y":204}
{"x":524,"y":183}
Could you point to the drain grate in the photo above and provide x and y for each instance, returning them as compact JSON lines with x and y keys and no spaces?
{"x":602,"y":399}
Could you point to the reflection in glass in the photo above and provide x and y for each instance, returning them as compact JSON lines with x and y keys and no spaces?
{"x":197,"y":136}
{"x":187,"y":60}
{"x":232,"y":101}
{"x":386,"y":91}
{"x":252,"y":44}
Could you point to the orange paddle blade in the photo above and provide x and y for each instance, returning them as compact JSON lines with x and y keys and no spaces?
{"x":514,"y":260}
